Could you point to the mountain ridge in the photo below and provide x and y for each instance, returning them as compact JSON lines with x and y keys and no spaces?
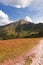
{"x":23,"y":28}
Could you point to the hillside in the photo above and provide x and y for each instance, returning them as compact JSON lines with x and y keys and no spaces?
{"x":21,"y":29}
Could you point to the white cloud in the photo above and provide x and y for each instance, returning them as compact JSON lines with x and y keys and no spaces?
{"x":4,"y":19}
{"x":38,"y":20}
{"x":3,"y":15}
{"x":17,"y":6}
{"x":28,"y":19}
{"x":35,"y":20}
{"x":37,"y":11}
{"x":17,"y":3}
{"x":37,"y":5}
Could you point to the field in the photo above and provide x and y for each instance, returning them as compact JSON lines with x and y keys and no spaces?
{"x":13,"y":48}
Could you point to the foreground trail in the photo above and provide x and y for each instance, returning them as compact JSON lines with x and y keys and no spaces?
{"x":38,"y":58}
{"x":35,"y":54}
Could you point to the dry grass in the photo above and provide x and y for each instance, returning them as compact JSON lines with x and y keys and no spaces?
{"x":16,"y":47}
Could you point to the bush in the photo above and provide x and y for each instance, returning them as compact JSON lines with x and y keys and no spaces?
{"x":3,"y":34}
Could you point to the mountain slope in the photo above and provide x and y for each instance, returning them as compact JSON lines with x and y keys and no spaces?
{"x":23,"y":28}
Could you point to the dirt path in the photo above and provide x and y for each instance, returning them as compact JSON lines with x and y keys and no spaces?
{"x":21,"y":60}
{"x":38,"y":58}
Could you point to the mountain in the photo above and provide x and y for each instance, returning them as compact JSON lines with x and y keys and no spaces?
{"x":21,"y":29}
{"x":17,"y":26}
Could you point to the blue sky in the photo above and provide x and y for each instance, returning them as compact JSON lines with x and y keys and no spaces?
{"x":13,"y":10}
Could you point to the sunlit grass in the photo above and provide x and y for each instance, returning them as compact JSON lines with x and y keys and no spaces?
{"x":12,"y":48}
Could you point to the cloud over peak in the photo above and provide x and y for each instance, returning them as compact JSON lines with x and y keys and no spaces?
{"x":28,"y":19}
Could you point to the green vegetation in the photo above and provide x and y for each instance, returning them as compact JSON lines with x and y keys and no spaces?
{"x":21,"y":29}
{"x":3,"y":34}
{"x":24,"y":34}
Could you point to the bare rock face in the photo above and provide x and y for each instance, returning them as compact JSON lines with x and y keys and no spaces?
{"x":22,"y":21}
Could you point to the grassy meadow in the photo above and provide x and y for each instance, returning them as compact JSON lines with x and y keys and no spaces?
{"x":13,"y":48}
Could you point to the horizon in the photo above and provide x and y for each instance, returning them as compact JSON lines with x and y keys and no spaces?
{"x":18,"y":21}
{"x":14,"y":10}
